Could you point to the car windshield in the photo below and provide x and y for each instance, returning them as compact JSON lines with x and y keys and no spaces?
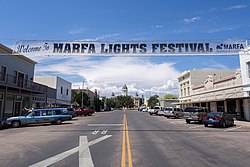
{"x":28,"y":114}
{"x":212,"y":114}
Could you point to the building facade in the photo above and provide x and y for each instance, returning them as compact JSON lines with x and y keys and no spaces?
{"x":217,"y":92}
{"x":245,"y":70}
{"x":62,"y":88}
{"x":17,"y":89}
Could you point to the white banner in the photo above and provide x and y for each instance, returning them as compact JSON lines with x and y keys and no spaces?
{"x":130,"y":48}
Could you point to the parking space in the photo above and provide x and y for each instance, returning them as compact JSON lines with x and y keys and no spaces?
{"x":180,"y":124}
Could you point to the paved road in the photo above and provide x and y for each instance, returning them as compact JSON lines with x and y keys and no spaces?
{"x":130,"y":138}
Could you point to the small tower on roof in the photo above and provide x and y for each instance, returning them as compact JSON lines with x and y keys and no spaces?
{"x":125,"y":90}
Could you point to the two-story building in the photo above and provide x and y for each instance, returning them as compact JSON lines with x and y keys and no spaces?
{"x":62,"y":88}
{"x":17,"y":89}
{"x":216,"y":90}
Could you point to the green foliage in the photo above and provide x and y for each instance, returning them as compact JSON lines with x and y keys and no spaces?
{"x":170,"y":96}
{"x":153,"y":100}
{"x":79,"y":97}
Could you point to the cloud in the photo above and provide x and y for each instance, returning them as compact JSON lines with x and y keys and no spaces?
{"x":191,"y":20}
{"x":77,"y":31}
{"x":213,"y":65}
{"x":237,"y":7}
{"x":157,"y":26}
{"x":109,"y":74}
{"x":230,"y":28}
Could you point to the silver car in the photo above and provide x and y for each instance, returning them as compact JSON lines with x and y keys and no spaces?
{"x":174,"y":112}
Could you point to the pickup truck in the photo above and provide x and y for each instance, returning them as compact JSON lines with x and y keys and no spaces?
{"x":154,"y":110}
{"x":85,"y":112}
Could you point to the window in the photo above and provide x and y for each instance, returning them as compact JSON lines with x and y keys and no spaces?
{"x":248,"y":69}
{"x":67,"y":92}
{"x":15,"y":77}
{"x":26,"y":80}
{"x":61,"y":90}
{"x":3,"y":73}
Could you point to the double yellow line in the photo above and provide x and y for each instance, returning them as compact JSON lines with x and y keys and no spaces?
{"x":125,"y":140}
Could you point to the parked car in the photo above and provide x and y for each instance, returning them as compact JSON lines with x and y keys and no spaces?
{"x":174,"y":112}
{"x":218,"y":118}
{"x":194,"y":114}
{"x":85,"y":112}
{"x":161,"y":111}
{"x":154,"y":110}
{"x":49,"y":115}
{"x":71,"y":111}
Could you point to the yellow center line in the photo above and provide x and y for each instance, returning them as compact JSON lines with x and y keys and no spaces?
{"x":123,"y":163}
{"x":125,"y":140}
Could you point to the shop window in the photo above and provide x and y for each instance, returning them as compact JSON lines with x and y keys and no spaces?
{"x":61,"y":90}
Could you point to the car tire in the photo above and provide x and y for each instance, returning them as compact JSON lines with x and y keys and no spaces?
{"x":15,"y":124}
{"x":168,"y":117}
{"x":59,"y":121}
{"x":223,"y":124}
{"x":176,"y":116}
{"x":187,"y":121}
{"x":150,"y":113}
{"x":206,"y":125}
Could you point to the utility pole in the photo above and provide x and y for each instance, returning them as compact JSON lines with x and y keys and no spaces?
{"x":82,"y":93}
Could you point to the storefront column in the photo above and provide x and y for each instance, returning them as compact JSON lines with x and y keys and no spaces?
{"x":246,"y":103}
{"x":225,"y":106}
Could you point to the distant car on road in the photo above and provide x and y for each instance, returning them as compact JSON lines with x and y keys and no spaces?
{"x":49,"y":115}
{"x":218,"y":118}
{"x":107,"y":109}
{"x":194,"y":114}
{"x":174,"y":112}
{"x":85,"y":112}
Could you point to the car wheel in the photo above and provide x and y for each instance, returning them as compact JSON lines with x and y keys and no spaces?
{"x":168,"y":117}
{"x":150,"y":113}
{"x":58,"y":121}
{"x":15,"y":124}
{"x":177,"y":116}
{"x":223,"y":124}
{"x":206,"y":125}
{"x":187,"y":121}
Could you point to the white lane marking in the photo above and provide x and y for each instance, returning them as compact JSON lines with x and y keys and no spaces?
{"x":95,"y":132}
{"x":85,"y":159}
{"x":65,"y":154}
{"x":196,"y":126}
{"x":232,"y":129}
{"x":104,"y":132}
{"x":105,"y":124}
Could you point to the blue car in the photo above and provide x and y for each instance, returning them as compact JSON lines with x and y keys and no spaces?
{"x":49,"y":115}
{"x":218,"y":118}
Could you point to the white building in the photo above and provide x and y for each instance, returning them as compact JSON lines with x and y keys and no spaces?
{"x":245,"y":70}
{"x":125,"y":90}
{"x":63,"y":89}
{"x":218,"y":90}
{"x":191,"y":78}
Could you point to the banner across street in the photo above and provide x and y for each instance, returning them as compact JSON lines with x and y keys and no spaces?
{"x":130,"y":48}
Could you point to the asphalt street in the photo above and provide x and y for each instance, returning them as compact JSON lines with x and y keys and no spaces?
{"x":125,"y":138}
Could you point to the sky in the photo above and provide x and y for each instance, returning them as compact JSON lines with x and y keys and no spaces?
{"x":116,"y":20}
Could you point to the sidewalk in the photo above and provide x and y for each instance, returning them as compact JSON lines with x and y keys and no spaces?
{"x":242,"y":123}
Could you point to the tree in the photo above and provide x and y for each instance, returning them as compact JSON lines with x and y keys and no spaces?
{"x":110,"y":102}
{"x":169,"y":96}
{"x":124,"y":101}
{"x":153,"y":100}
{"x":79,"y":97}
